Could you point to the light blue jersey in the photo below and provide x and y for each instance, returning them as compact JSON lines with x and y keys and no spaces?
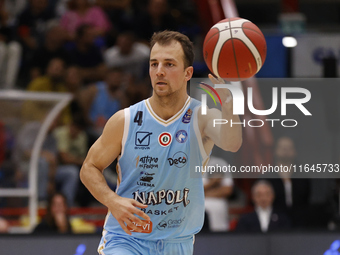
{"x":154,"y":169}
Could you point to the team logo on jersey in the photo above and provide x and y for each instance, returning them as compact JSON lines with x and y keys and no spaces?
{"x":181,"y":136}
{"x":179,"y":159}
{"x":164,"y":139}
{"x":142,"y":140}
{"x":187,"y":116}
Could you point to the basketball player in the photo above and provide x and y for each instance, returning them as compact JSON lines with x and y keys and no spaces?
{"x":157,"y":208}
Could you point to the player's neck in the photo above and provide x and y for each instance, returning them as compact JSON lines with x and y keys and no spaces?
{"x":166,"y":107}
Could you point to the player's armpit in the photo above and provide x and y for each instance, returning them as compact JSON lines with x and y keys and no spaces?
{"x":109,"y":145}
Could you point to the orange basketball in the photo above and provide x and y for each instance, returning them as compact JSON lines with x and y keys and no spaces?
{"x":234,"y":49}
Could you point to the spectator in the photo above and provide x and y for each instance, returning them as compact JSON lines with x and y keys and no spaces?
{"x":103,"y":99}
{"x":87,"y":56}
{"x":137,"y":90}
{"x":156,"y":18}
{"x":217,"y":189}
{"x":4,"y":226}
{"x":72,"y":148}
{"x":52,"y":48}
{"x":80,"y":13}
{"x":56,"y":219}
{"x":72,"y":142}
{"x":33,"y":22}
{"x":14,"y":8}
{"x":265,"y":218}
{"x":292,"y":194}
{"x":119,"y":12}
{"x":7,"y":169}
{"x":60,"y":7}
{"x":74,"y":85}
{"x":51,"y":82}
{"x":51,"y":175}
{"x":131,"y":56}
{"x":10,"y":51}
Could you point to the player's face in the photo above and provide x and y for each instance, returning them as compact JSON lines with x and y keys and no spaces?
{"x":167,"y":71}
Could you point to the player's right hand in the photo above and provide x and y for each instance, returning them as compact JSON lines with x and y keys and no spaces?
{"x":125,"y":211}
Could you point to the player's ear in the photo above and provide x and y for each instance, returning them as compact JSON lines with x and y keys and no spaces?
{"x":189,"y":71}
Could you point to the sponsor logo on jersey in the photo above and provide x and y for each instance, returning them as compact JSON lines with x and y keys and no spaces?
{"x":147,"y":229}
{"x":179,"y":159}
{"x":162,"y":225}
{"x":181,"y":136}
{"x":187,"y":116}
{"x":170,"y":224}
{"x":146,"y":162}
{"x":164,"y":139}
{"x":142,"y":140}
{"x":145,"y":179}
{"x":168,"y":196}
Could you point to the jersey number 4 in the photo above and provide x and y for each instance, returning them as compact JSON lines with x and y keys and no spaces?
{"x":139,"y":118}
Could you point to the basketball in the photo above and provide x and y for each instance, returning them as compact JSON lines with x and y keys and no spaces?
{"x":234,"y":49}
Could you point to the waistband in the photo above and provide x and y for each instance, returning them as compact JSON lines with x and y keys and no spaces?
{"x":108,"y":235}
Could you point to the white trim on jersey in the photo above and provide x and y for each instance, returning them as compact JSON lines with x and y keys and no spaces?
{"x":126,"y":128}
{"x":102,"y":246}
{"x":125,"y":135}
{"x":166,"y":123}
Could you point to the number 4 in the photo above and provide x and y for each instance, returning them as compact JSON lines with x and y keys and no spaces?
{"x":139,"y":118}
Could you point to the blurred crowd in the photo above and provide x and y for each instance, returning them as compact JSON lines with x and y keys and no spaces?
{"x":279,"y":201}
{"x":92,"y":35}
{"x":98,"y":51}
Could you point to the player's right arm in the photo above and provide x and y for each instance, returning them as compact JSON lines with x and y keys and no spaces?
{"x":102,"y":153}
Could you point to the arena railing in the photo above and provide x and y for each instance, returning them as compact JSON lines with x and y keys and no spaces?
{"x":61,"y":101}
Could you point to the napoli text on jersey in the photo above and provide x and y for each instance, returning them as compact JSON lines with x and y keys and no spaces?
{"x":154,"y":169}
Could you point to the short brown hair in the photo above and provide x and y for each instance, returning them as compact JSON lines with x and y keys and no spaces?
{"x":166,"y":37}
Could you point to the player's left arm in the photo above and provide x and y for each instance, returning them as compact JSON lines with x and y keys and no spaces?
{"x":226,"y":136}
